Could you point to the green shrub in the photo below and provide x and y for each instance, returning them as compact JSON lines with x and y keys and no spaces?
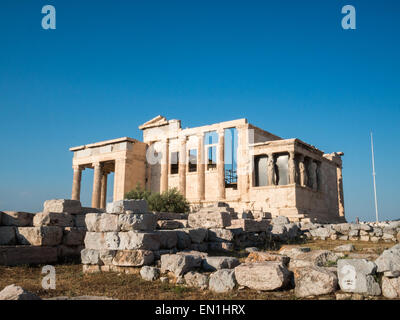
{"x":168,"y":201}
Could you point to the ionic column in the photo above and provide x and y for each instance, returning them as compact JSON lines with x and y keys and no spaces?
{"x":244,"y":161}
{"x":103,"y":196}
{"x":200,"y":168}
{"x":148,"y":172}
{"x":221,"y":165}
{"x":96,"y":185}
{"x":76,"y":183}
{"x":340,"y":191}
{"x":164,"y":166}
{"x":292,"y":168}
{"x":182,"y":166}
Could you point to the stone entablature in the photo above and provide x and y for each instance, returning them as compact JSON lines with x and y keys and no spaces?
{"x":232,"y":161}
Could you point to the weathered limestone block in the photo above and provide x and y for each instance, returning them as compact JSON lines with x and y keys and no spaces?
{"x":137,"y":221}
{"x":149,"y":273}
{"x":313,"y":258}
{"x":132,"y":240}
{"x":17,"y":219}
{"x":180,"y":264}
{"x":320,"y":232}
{"x":79,"y":220}
{"x":250,"y":225}
{"x":122,"y":206}
{"x":280,"y":220}
{"x":133,"y":258}
{"x":90,"y":256}
{"x":353,"y":233}
{"x":314,"y":281}
{"x":18,"y":255}
{"x":13,"y":292}
{"x":62,"y":205}
{"x":197,"y":235}
{"x":102,"y":240}
{"x":356,"y":275}
{"x":389,"y":261}
{"x":74,"y":236}
{"x":184,"y":240}
{"x":95,"y":240}
{"x":101,"y":222}
{"x":169,"y":224}
{"x":217,"y":235}
{"x":209,"y":220}
{"x":222,"y":281}
{"x":107,"y":256}
{"x":196,"y":279}
{"x":264,"y":276}
{"x":391,"y":287}
{"x":221,"y":246}
{"x":292,"y":253}
{"x":7,"y":236}
{"x":168,"y":239}
{"x":61,"y":219}
{"x":259,"y":256}
{"x":344,"y":248}
{"x":39,"y":236}
{"x":217,"y":263}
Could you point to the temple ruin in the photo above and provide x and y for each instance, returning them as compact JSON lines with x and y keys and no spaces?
{"x":233,"y":162}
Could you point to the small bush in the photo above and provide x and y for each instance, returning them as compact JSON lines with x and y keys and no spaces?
{"x":168,"y":201}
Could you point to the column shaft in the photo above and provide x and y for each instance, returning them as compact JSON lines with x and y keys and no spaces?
{"x":96,"y":186}
{"x":200,"y":168}
{"x":221,"y":165}
{"x":164,"y":166}
{"x":76,"y":183}
{"x":103,"y":197}
{"x":182,"y":166}
{"x":340,"y":191}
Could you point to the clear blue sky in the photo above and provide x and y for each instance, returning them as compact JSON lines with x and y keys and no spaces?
{"x":286,"y":66}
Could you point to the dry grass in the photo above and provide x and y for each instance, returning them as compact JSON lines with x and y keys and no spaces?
{"x":72,"y":282}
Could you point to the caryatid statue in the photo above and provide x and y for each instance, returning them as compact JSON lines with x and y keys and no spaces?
{"x":312,"y":169}
{"x":271,"y":170}
{"x":302,"y":170}
{"x":291,"y":168}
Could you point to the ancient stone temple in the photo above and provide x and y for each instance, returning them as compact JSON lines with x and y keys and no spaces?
{"x":233,"y":162}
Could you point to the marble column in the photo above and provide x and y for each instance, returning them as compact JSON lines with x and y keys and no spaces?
{"x":340,"y":190}
{"x":164,"y":166}
{"x":221,"y":165}
{"x":76,"y":183}
{"x":103,"y":196}
{"x":244,"y":161}
{"x":200,"y":167}
{"x":182,"y":166}
{"x":96,"y":185}
{"x":292,"y":168}
{"x":148,"y":171}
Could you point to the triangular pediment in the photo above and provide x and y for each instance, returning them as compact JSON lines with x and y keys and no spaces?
{"x":155,"y":122}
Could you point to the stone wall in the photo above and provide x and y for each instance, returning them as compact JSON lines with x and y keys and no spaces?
{"x":55,"y":234}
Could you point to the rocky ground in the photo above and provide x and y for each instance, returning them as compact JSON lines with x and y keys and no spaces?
{"x":72,"y":283}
